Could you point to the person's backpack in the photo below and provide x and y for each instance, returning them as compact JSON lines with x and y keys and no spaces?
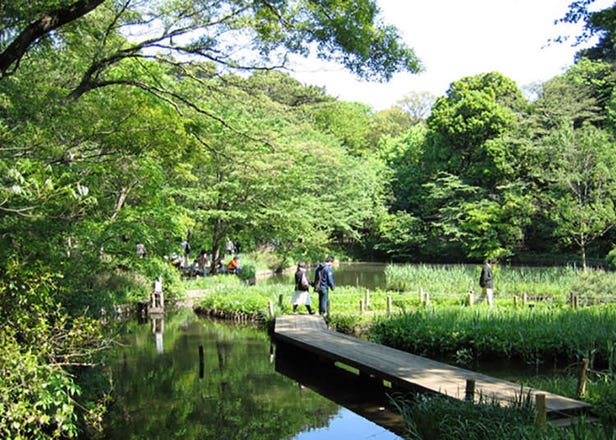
{"x":304,"y":282}
{"x":317,"y":284}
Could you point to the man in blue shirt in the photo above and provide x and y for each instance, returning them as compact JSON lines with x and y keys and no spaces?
{"x":324,"y":281}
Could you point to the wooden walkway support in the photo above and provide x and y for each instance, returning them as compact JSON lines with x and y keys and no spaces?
{"x":408,"y":371}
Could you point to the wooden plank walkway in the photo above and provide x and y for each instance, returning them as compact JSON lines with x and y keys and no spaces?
{"x":406,"y":370}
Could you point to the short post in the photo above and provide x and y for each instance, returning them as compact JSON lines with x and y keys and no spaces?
{"x":427,"y":299}
{"x":201,"y":362}
{"x":271,"y":309}
{"x":389,"y":305}
{"x":525,"y":298}
{"x":367,"y":297}
{"x":582,"y":379}
{"x":469,"y":393}
{"x":421,"y":295}
{"x":576,"y":302}
{"x":515,"y":301}
{"x":362,"y":306}
{"x":280,"y":299}
{"x":542,"y":409}
{"x":471,"y":298}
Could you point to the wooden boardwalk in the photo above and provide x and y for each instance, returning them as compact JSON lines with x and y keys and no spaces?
{"x":405,"y":370}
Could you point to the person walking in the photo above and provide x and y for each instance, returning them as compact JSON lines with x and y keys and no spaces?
{"x":324,"y":282}
{"x":301,"y":294}
{"x":486,"y":282}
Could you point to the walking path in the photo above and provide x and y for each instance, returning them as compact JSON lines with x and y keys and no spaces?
{"x":406,"y":370}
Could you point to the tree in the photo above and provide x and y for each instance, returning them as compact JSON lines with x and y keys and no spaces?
{"x":465,"y":125}
{"x":417,"y":104}
{"x":585,"y":185}
{"x":102,"y":113}
{"x":600,"y":23}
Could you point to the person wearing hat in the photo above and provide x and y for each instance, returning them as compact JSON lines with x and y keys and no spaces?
{"x":324,"y":282}
{"x":301,"y":294}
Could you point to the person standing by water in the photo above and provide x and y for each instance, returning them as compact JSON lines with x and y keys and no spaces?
{"x":486,"y":282}
{"x":301,"y":294}
{"x":324,"y":282}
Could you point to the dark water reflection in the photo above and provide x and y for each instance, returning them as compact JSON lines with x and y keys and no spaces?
{"x":243,"y":389}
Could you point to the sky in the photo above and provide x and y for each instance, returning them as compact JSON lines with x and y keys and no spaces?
{"x":459,"y":38}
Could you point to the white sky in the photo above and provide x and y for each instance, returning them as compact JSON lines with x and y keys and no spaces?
{"x":459,"y":38}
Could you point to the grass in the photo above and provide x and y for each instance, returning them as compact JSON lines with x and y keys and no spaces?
{"x":540,"y":332}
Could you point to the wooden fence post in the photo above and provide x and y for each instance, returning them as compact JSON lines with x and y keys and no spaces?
{"x":427,"y":300}
{"x":421,"y":295}
{"x":362,"y":307}
{"x":470,"y":390}
{"x":541,"y":407}
{"x":471,"y":298}
{"x":515,"y":301}
{"x":582,"y":378}
{"x":280,"y":299}
{"x":389,"y":305}
{"x":367,"y":297}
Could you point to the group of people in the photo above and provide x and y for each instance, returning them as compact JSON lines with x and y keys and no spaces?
{"x":202,"y":264}
{"x":323,"y":282}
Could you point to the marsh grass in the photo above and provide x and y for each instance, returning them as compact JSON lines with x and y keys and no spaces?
{"x":437,"y":417}
{"x":553,"y":283}
{"x":538,"y":335}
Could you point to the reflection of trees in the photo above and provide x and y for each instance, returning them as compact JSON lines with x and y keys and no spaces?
{"x":240,"y":395}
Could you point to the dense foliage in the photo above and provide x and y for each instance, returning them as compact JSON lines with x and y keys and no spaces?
{"x":125,"y":123}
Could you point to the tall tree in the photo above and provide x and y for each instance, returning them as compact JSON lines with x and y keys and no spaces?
{"x":582,"y":168}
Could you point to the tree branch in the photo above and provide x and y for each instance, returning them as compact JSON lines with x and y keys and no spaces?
{"x":40,"y":28}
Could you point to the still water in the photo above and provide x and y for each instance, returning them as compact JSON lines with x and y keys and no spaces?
{"x":368,"y":275}
{"x":240,"y":388}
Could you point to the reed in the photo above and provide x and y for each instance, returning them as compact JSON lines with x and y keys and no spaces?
{"x":551,"y":283}
{"x":534,"y":336}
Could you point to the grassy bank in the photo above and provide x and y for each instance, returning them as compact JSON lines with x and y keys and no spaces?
{"x":428,"y":319}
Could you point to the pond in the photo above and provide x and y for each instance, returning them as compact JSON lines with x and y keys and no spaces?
{"x":241,"y":389}
{"x":360,"y":274}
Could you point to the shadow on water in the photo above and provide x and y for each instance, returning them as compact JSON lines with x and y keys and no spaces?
{"x":366,"y":398}
{"x":189,"y":378}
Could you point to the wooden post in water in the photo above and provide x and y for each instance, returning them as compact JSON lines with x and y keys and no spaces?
{"x":542,"y":409}
{"x":362,"y":306}
{"x":389,"y":306}
{"x":582,"y":378}
{"x":469,"y":393}
{"x":367,"y":297}
{"x":201,"y":362}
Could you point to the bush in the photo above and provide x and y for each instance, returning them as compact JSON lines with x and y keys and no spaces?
{"x":35,"y":397}
{"x":611,"y":259}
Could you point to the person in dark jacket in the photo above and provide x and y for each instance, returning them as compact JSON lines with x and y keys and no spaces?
{"x":301,"y":294}
{"x":324,"y":282}
{"x":486,"y":282}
